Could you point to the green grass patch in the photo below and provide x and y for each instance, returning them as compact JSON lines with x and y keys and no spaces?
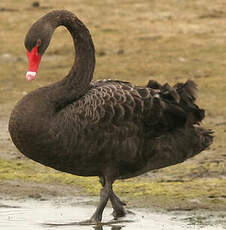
{"x":199,"y":188}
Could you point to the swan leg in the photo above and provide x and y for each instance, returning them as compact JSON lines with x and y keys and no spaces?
{"x":105,"y":194}
{"x":116,"y":203}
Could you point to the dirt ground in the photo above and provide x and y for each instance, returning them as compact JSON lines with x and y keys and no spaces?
{"x":179,"y":40}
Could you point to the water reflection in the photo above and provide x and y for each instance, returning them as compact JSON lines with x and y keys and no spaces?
{"x":57,"y":215}
{"x":76,"y":225}
{"x":112,"y":227}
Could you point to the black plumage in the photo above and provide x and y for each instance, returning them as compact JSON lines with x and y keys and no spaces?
{"x":106,"y":128}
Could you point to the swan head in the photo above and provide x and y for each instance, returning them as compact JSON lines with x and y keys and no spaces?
{"x":36,"y":42}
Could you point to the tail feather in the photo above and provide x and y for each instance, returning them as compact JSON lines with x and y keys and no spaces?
{"x":177,"y":106}
{"x":187,"y":91}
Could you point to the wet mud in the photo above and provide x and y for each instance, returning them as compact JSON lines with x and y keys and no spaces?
{"x":68,"y":214}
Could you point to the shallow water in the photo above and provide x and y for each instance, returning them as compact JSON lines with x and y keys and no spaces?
{"x":65,"y":215}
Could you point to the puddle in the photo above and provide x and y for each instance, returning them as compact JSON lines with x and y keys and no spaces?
{"x":65,"y":214}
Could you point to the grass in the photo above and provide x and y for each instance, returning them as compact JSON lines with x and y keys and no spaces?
{"x":158,"y":193}
{"x":135,"y":41}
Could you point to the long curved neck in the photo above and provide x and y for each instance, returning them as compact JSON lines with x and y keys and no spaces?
{"x":76,"y":83}
{"x":82,"y":70}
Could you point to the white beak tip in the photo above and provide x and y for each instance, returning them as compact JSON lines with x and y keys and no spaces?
{"x":30,"y":75}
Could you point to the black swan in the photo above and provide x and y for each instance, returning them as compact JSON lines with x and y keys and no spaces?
{"x":107,"y":128}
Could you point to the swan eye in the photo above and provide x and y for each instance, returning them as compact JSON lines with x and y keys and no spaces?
{"x":39,"y":41}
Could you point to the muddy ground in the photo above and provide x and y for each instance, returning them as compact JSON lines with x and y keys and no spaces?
{"x":67,"y":212}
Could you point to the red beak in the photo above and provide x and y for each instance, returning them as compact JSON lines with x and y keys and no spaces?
{"x":34,"y":59}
